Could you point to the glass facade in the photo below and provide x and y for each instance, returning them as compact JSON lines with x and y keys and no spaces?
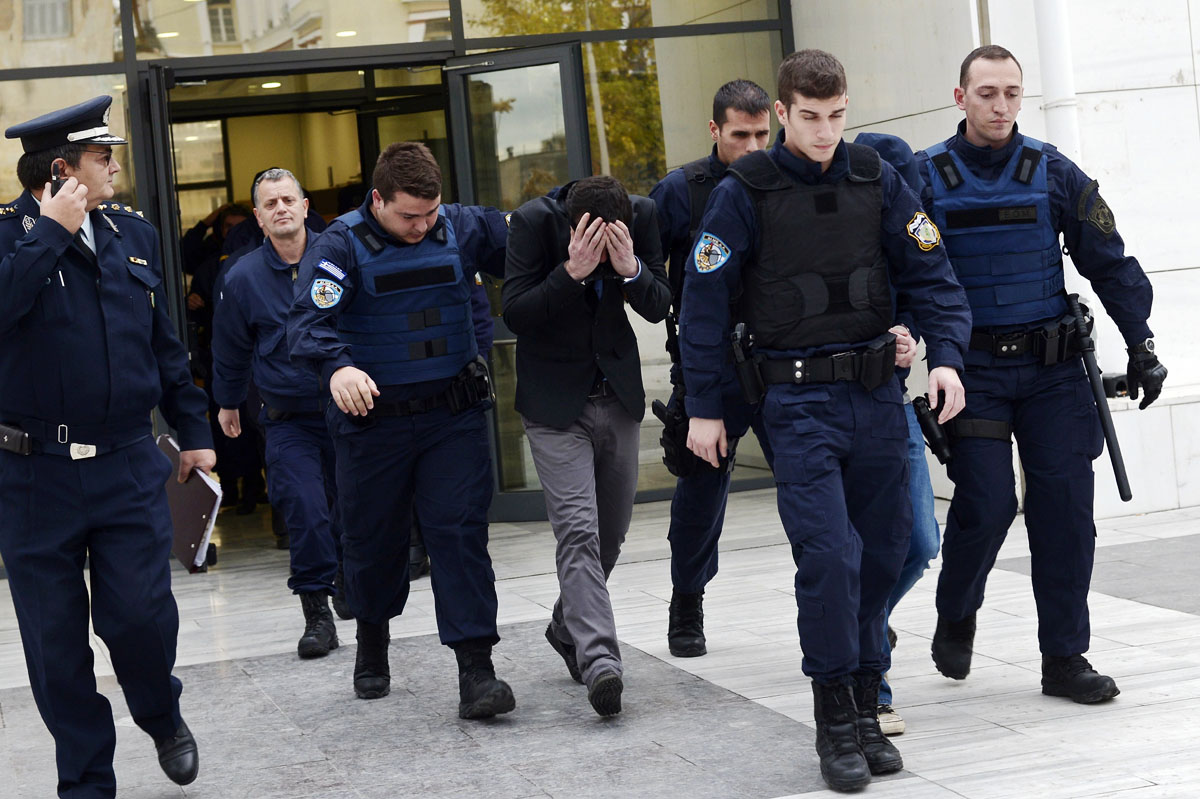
{"x":240,"y":98}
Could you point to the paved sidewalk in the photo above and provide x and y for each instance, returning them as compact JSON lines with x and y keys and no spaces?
{"x":736,"y":723}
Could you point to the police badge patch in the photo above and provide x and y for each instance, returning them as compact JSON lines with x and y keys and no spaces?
{"x":27,"y":223}
{"x":922,"y":229}
{"x":711,"y":253}
{"x":325,"y":293}
{"x":1101,"y":217}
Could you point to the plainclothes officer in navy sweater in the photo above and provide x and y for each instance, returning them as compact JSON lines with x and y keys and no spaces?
{"x":740,"y":124}
{"x":383,"y":312}
{"x":1002,"y":199}
{"x":250,"y":340}
{"x":816,"y":235}
{"x":86,"y":353}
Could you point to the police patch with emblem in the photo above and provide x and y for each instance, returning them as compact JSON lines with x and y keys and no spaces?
{"x":332,"y":268}
{"x":1101,"y":217}
{"x":922,"y":229}
{"x":711,"y":253}
{"x":325,"y":293}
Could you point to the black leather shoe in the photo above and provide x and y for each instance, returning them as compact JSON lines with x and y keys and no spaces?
{"x":481,"y":695}
{"x":1075,"y":678}
{"x":843,"y":764}
{"x":372,"y":674}
{"x":882,"y":755}
{"x":685,"y":625}
{"x":605,"y":693}
{"x":952,"y":647}
{"x":566,"y":652}
{"x":178,"y":756}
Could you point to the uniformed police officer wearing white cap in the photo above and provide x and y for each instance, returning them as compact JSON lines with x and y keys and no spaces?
{"x":86,"y":353}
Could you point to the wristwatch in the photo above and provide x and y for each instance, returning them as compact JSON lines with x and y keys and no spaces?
{"x":1146,"y":346}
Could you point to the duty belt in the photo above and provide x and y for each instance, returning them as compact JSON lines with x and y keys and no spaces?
{"x":872,"y":366}
{"x":469,"y":387}
{"x":79,"y":441}
{"x":1051,"y":344}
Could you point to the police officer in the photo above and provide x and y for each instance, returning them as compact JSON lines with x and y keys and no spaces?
{"x":383,"y":311}
{"x":250,"y":338}
{"x":86,"y":353}
{"x":740,"y":124}
{"x":815,"y":235}
{"x":1002,"y":199}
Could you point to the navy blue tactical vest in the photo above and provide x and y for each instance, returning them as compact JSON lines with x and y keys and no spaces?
{"x":821,"y":275}
{"x":1000,"y":236}
{"x":700,"y":184}
{"x":410,"y":320}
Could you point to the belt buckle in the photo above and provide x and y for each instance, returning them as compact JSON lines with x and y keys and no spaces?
{"x":81,"y":451}
{"x":1008,"y":345}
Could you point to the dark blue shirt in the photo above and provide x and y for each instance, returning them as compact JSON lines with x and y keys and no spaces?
{"x":1117,"y":278}
{"x":88,"y":341}
{"x":923,"y":280}
{"x":250,"y":335}
{"x":313,"y":333}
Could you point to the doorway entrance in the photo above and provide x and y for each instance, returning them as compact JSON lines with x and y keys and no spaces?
{"x":505,"y":128}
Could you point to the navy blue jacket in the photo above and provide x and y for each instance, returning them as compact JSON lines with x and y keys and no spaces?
{"x":89,"y":342}
{"x":673,"y":201}
{"x":1117,"y":278}
{"x":923,"y":280}
{"x":250,"y":335}
{"x":312,"y":332}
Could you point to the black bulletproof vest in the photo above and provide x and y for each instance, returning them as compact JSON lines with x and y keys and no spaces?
{"x":821,"y":274}
{"x":700,"y":184}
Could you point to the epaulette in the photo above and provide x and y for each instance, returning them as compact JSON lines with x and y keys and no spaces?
{"x":118,"y":208}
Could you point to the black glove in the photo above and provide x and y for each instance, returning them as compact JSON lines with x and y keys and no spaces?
{"x":1145,"y":371}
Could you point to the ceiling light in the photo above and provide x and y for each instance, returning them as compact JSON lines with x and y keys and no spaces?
{"x":274,"y":84}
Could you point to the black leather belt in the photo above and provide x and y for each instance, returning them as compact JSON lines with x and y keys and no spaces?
{"x":79,"y":441}
{"x":411,"y":407}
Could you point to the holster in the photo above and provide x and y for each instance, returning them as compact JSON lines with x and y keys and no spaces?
{"x":679,"y":460}
{"x":14,"y":440}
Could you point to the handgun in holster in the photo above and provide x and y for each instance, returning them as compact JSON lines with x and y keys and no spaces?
{"x":746,"y":364}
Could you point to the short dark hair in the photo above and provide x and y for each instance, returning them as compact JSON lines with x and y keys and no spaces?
{"x":992,"y":52}
{"x":810,"y":73}
{"x":740,"y":95}
{"x":233,"y":209}
{"x":601,"y":196}
{"x":33,"y":169}
{"x":409,"y":167}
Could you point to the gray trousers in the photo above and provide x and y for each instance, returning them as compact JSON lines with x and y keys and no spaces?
{"x":589,"y":475}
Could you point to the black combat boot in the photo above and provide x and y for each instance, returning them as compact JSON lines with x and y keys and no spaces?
{"x":341,"y":606}
{"x":320,"y":636}
{"x":881,"y":754}
{"x":480,"y":694}
{"x":952,"y":642}
{"x":1074,"y":677}
{"x":843,"y":765}
{"x":372,"y":676}
{"x":685,"y":625}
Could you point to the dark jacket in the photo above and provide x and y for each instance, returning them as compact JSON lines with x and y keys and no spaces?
{"x":566,"y":331}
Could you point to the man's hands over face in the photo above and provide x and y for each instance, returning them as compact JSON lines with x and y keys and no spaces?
{"x":591,"y":240}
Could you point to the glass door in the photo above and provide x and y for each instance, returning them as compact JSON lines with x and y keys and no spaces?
{"x":518,"y":128}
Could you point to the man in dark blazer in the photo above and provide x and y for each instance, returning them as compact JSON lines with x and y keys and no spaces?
{"x":575,"y":258}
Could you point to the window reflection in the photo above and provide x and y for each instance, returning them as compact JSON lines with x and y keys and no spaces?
{"x":169,"y":28}
{"x":484,"y":18}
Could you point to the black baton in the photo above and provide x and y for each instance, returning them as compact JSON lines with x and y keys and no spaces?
{"x":1088,"y":349}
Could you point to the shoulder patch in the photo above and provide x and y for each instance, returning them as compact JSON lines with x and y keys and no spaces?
{"x":710,"y":253}
{"x":1101,"y":217}
{"x":329,"y":266}
{"x":325,"y":293}
{"x":923,"y":231}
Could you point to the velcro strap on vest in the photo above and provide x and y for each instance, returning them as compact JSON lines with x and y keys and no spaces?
{"x":947,"y":169}
{"x":367,"y":236}
{"x":414,"y":278}
{"x":1027,"y":164}
{"x":979,"y":428}
{"x":420,"y":350}
{"x":430,"y":317}
{"x":872,"y":366}
{"x":992,"y":217}
{"x":1013,"y":293}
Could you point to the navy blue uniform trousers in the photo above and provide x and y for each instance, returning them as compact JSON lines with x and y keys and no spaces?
{"x":1058,"y":435}
{"x":111,"y":510}
{"x":437,"y":463}
{"x":302,"y":482}
{"x":841,"y":472}
{"x":698,"y":506}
